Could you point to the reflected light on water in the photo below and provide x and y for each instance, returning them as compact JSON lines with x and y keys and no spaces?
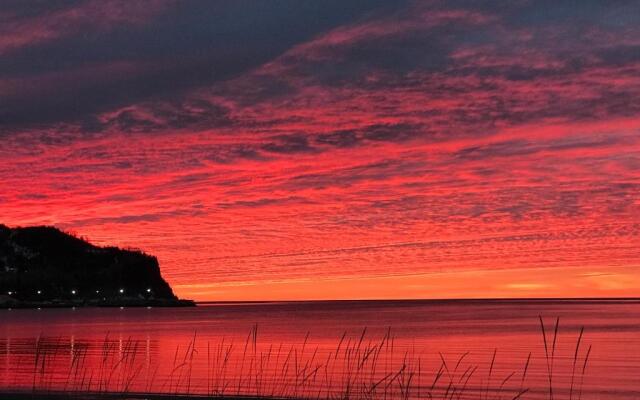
{"x":363,"y":349}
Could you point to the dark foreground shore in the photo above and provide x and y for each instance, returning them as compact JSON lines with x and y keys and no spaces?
{"x":7,"y":303}
{"x":28,"y":395}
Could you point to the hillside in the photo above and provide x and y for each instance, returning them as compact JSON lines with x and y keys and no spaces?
{"x":43,"y":266}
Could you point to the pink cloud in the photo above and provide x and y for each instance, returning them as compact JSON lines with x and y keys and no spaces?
{"x":94,"y":16}
{"x":504,"y":157}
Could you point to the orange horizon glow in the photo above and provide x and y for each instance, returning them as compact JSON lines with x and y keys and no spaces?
{"x":533,"y":284}
{"x":421,"y":150}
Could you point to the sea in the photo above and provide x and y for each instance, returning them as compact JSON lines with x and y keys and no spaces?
{"x":466,"y":349}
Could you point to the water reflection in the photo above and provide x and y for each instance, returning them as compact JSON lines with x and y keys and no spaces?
{"x":363,"y":350}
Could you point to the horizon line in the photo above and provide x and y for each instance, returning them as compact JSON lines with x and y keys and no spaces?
{"x":461,"y":300}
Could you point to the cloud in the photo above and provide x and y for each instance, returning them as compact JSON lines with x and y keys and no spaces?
{"x":347,"y":176}
{"x":520,"y":147}
{"x":288,"y":144}
{"x":33,"y":24}
{"x":298,"y":140}
{"x":341,"y":138}
{"x":99,"y":56}
{"x":264,"y":202}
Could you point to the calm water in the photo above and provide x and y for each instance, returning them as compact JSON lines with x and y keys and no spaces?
{"x":318,"y":349}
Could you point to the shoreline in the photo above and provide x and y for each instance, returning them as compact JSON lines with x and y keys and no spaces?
{"x":139,"y":303}
{"x":112,"y":303}
{"x":59,"y":395}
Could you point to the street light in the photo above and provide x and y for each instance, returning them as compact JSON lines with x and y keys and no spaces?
{"x":149,"y":290}
{"x":39,"y":292}
{"x":73,"y":291}
{"x":121,"y":291}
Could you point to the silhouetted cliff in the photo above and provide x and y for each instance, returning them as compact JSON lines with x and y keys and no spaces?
{"x":44,"y":266}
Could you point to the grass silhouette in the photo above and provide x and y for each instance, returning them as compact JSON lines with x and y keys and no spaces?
{"x":357,"y":367}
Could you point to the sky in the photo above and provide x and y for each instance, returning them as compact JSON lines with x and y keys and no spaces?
{"x":294,"y":149}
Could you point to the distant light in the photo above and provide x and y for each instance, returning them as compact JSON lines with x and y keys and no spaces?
{"x":39,"y":292}
{"x":10,"y":293}
{"x":149,"y":290}
{"x":121,"y":290}
{"x":73,"y":292}
{"x":97,"y":291}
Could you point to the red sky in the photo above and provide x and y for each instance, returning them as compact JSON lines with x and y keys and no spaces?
{"x":343,"y":150}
